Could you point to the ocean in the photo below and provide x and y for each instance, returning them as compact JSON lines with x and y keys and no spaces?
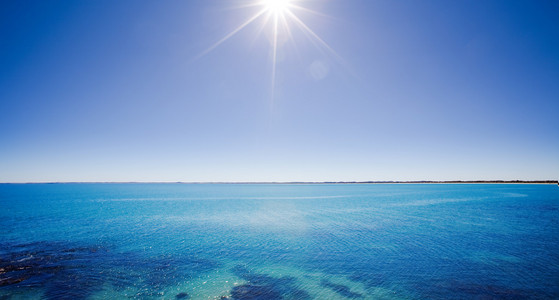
{"x":279,"y":241}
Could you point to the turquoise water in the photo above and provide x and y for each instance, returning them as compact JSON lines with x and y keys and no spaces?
{"x":266,"y":241}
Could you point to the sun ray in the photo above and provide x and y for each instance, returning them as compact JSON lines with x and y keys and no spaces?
{"x":286,"y":27}
{"x":274,"y":58}
{"x":314,"y":12}
{"x":232,"y":33}
{"x":265,"y":21}
{"x":279,"y":18}
{"x":313,"y":34}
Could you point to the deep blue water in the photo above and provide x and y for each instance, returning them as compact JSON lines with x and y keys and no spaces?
{"x":266,"y":241}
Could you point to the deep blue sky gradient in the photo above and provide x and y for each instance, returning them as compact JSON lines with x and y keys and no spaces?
{"x":424,"y":90}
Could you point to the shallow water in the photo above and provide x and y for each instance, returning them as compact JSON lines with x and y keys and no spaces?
{"x":266,"y":241}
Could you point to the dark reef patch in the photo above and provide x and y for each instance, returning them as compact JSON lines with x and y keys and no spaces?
{"x":157,"y":273}
{"x":340,"y":289}
{"x":56,"y":267}
{"x":264,"y":287}
{"x":255,"y":292}
{"x":367,"y":278}
{"x":63,"y":271}
{"x":182,"y":295}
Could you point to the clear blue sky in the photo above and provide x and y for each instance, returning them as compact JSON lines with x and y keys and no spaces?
{"x":103,"y":90}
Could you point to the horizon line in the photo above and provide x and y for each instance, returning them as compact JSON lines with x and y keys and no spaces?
{"x":518,"y":181}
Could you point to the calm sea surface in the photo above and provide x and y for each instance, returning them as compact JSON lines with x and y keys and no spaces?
{"x":266,"y":241}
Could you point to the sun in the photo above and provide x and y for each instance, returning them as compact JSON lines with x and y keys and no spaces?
{"x":276,"y":7}
{"x":279,"y":19}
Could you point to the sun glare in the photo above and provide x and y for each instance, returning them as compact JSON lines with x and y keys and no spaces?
{"x":279,"y":17}
{"x":276,"y":6}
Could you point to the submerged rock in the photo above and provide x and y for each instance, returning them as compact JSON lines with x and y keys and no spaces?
{"x":340,"y":289}
{"x":263,"y":286}
{"x":62,"y":271}
{"x":255,"y":292}
{"x":182,"y":295}
{"x":11,"y":280}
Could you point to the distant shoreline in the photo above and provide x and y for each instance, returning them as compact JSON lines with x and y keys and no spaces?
{"x":313,"y":182}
